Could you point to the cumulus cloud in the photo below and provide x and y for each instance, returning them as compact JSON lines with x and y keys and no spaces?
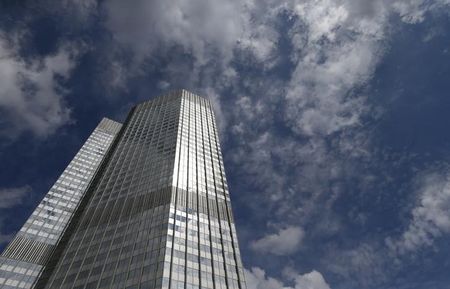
{"x":31,"y":99}
{"x":256,"y":279}
{"x":285,"y":242}
{"x":312,"y":280}
{"x":431,"y":216}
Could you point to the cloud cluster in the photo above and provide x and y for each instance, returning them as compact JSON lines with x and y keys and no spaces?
{"x":335,"y":48}
{"x":329,"y":64}
{"x":202,"y":28}
{"x":31,"y":98}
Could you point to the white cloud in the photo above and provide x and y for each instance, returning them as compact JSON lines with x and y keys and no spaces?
{"x":31,"y":98}
{"x":11,"y":197}
{"x":312,"y":280}
{"x":285,"y":242}
{"x":431,"y":216}
{"x":410,"y":11}
{"x":256,"y":279}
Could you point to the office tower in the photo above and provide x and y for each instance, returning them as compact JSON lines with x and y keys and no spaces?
{"x":157,"y":214}
{"x":23,"y":259}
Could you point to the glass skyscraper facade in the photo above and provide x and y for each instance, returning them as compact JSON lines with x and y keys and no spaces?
{"x":22,"y":261}
{"x":157,"y":214}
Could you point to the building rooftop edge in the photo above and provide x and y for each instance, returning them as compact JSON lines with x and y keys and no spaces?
{"x":180,"y":91}
{"x":173,"y":91}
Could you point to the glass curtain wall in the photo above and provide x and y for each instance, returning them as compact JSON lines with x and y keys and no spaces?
{"x":160,"y":213}
{"x":22,"y":261}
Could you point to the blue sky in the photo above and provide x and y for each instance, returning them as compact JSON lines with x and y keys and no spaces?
{"x":333,"y":118}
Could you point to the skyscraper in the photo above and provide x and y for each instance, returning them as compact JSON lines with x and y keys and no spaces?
{"x":22,"y":261}
{"x":157,"y":214}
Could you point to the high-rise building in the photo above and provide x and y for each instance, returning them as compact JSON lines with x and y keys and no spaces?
{"x":157,"y":214}
{"x":22,"y":261}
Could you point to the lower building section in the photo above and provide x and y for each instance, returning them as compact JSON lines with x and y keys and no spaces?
{"x":164,"y":239}
{"x":129,"y":252}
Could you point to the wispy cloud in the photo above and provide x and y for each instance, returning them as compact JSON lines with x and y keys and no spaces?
{"x":430,"y":219}
{"x":364,"y":265}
